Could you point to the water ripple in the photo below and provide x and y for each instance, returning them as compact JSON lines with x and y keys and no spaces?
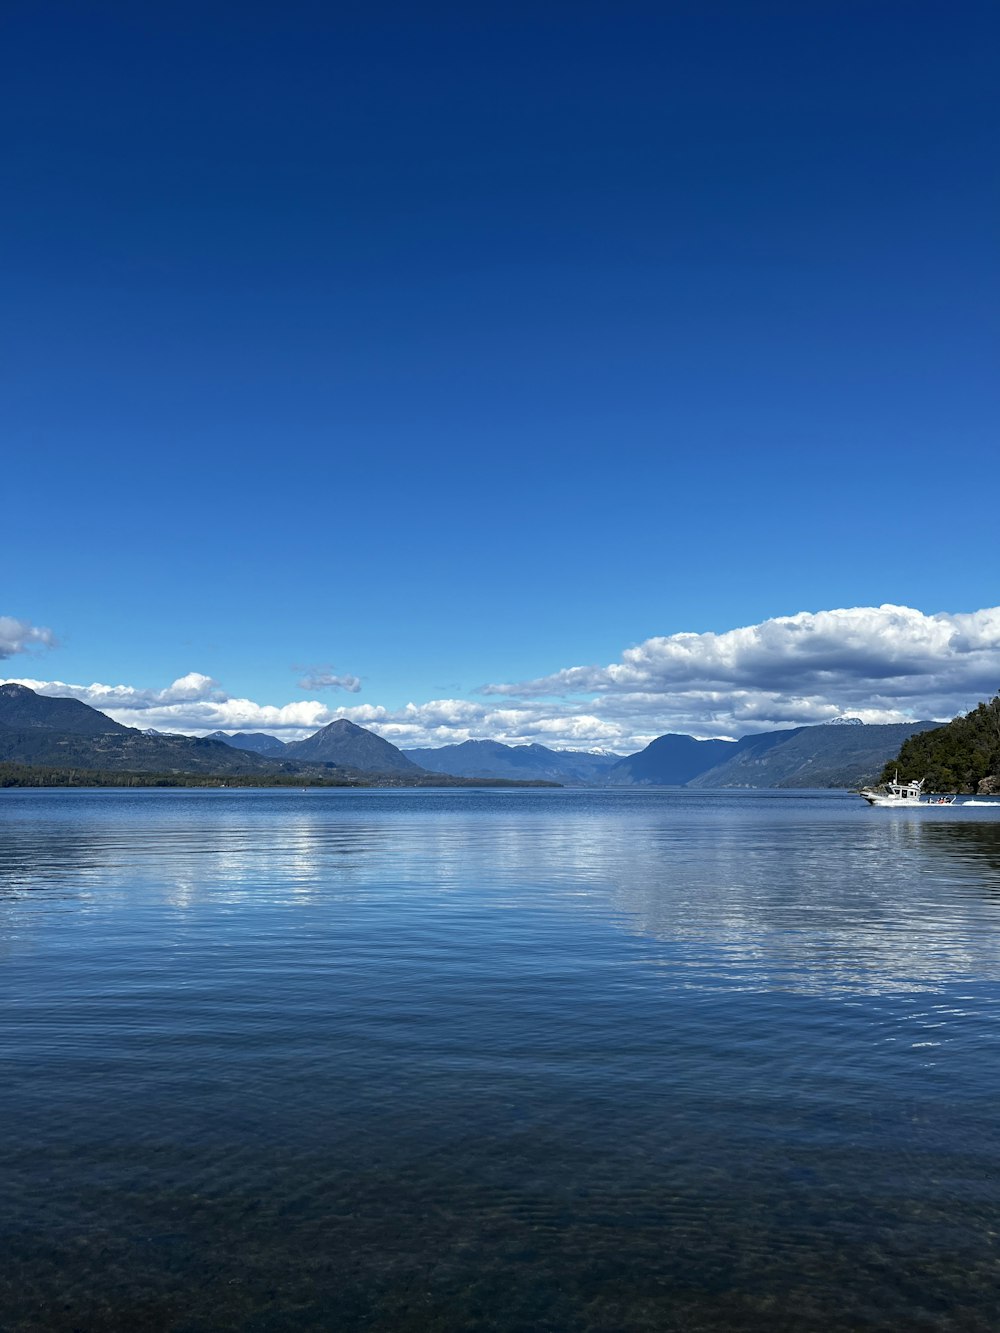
{"x":497,"y":1061}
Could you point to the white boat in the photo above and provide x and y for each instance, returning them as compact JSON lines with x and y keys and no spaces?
{"x":896,"y":793}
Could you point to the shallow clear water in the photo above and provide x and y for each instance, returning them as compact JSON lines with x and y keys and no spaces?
{"x":497,"y":1061}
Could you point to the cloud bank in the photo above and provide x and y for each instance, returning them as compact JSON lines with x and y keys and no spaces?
{"x":885,"y":663}
{"x":882,"y":664}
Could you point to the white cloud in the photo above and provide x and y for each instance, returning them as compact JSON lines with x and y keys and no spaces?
{"x":196,"y":704}
{"x":18,"y":636}
{"x":886,"y":663}
{"x":882,"y":664}
{"x":193,"y":688}
{"x":323,"y":678}
{"x":193,"y":703}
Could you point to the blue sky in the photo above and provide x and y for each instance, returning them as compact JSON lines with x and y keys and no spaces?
{"x":433,"y":347}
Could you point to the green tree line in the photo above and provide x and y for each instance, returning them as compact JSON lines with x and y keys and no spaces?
{"x":40,"y":775}
{"x":955,"y":757}
{"x":43,"y":775}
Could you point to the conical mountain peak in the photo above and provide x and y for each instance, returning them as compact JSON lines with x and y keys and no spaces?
{"x":347,"y":745}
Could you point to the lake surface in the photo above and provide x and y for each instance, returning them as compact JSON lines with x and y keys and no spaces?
{"x":498,"y":1060}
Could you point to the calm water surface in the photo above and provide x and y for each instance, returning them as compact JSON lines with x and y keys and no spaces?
{"x":497,"y":1061}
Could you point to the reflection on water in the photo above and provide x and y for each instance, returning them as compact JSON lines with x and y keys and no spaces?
{"x":843,"y":897}
{"x":824,"y":908}
{"x":975,"y":844}
{"x":499,"y":1061}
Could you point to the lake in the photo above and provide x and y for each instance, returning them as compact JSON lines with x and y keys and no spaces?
{"x":497,"y":1060}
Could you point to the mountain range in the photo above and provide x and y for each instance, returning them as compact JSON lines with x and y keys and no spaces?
{"x":479,"y":759}
{"x":36,"y":729}
{"x":843,"y":753}
{"x":824,"y":756}
{"x":832,"y":755}
{"x":68,"y":735}
{"x":39,"y":730}
{"x":65,"y":733}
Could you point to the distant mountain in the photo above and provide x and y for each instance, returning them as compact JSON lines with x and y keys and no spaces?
{"x":350,"y":746}
{"x":127,"y":750}
{"x":845,"y":753}
{"x":669,"y":761}
{"x":23,"y":709}
{"x":493,"y":759}
{"x":37,"y":729}
{"x":257,"y":741}
{"x":824,"y":756}
{"x":71,"y":737}
{"x":60,"y":732}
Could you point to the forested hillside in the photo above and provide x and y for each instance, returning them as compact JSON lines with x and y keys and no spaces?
{"x":963,"y":755}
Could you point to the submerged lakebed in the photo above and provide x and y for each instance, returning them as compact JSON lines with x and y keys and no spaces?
{"x":497,"y":1060}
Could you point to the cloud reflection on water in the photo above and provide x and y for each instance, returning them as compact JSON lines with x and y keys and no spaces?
{"x":764,"y":892}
